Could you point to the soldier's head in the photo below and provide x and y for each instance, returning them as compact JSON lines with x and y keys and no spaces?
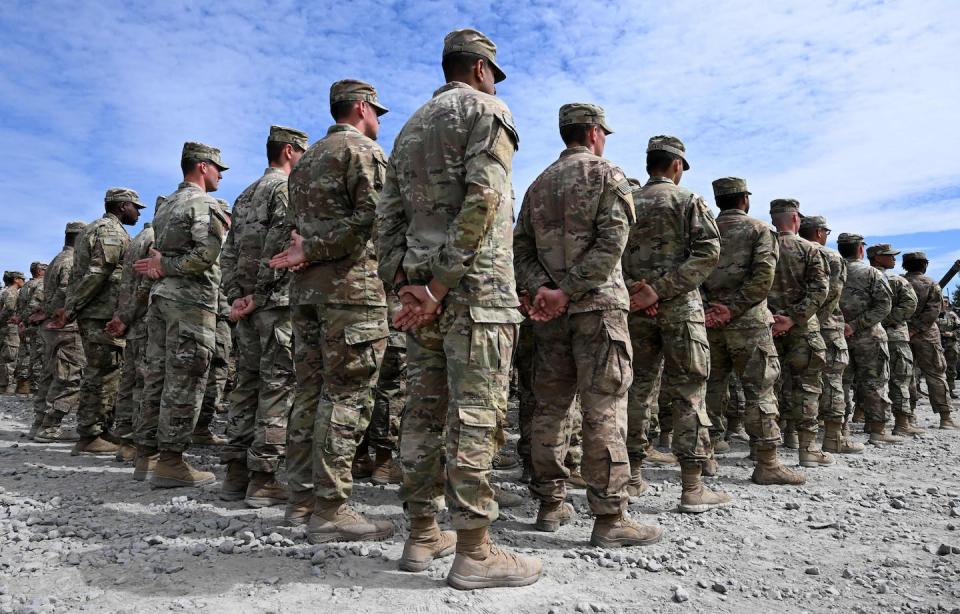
{"x":17,"y":279}
{"x":731,"y":193}
{"x":850,"y":245}
{"x":123,"y":203}
{"x":584,"y":125}
{"x":814,"y":228}
{"x":785,"y":214}
{"x":666,"y":157}
{"x":38,"y":269}
{"x":882,"y":256}
{"x":71,"y":233}
{"x":470,"y":57}
{"x":201,"y":165}
{"x":355,"y":102}
{"x":285,"y":147}
{"x":915,"y":262}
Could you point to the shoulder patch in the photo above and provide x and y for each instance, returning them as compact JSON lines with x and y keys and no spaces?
{"x":623,"y":186}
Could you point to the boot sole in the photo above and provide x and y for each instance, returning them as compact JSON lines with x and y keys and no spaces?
{"x":88,"y":453}
{"x":700,"y":507}
{"x":547,"y":526}
{"x":296,"y":522}
{"x":258,"y":502}
{"x":815,"y":464}
{"x":142,"y":477}
{"x":232,"y":496}
{"x":775,"y":483}
{"x":467,"y":583}
{"x":156,"y":482}
{"x":622,"y":543}
{"x":325,"y":538}
{"x":384,"y":482}
{"x":416,"y":566}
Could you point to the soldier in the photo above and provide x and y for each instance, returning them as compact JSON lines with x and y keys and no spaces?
{"x":925,"y":337}
{"x":833,"y":407}
{"x":673,"y":247}
{"x":883,"y":256}
{"x":63,"y":359}
{"x":949,"y":325}
{"x":579,"y":307}
{"x":738,"y":327}
{"x":339,"y":315}
{"x":31,"y":316}
{"x":10,"y":342}
{"x":259,"y":300}
{"x":27,"y":378}
{"x":736,"y":404}
{"x":91,"y":298}
{"x":444,"y":221}
{"x":181,"y":319}
{"x":800,"y":288}
{"x":866,"y":301}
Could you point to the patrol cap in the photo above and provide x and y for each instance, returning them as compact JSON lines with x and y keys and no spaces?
{"x":849,"y":238}
{"x":15,"y":275}
{"x":123,"y":195}
{"x":347,"y":90}
{"x":36,"y":266}
{"x":784,"y":205}
{"x":282,"y":134}
{"x":577,"y":113}
{"x":198,"y":152}
{"x":881,"y":249}
{"x":915,"y":256}
{"x":671,"y":144}
{"x":729,"y":185}
{"x":74,"y":228}
{"x":813,"y":222}
{"x":473,"y":41}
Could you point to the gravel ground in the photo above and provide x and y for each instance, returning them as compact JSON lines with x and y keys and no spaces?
{"x":875,"y":533}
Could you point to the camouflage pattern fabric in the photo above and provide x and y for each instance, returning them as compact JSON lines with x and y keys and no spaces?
{"x":101,"y":377}
{"x":949,"y":325}
{"x":898,"y":342}
{"x":837,"y":355}
{"x":28,"y":368}
{"x":389,"y":394}
{"x":9,"y":338}
{"x":64,"y":359}
{"x":925,"y":341}
{"x":217,"y":377}
{"x":523,"y":358}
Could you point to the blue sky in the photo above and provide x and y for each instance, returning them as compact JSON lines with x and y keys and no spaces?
{"x":849,"y":106}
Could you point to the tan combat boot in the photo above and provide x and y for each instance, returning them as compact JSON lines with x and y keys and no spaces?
{"x":810,"y":454}
{"x":858,"y":415}
{"x":576,"y":479}
{"x":234,"y":487}
{"x":665,"y":440}
{"x":653,"y":456}
{"x":636,"y":486}
{"x":619,"y":530}
{"x":145,"y":464}
{"x":480,"y":564}
{"x":127,"y":453}
{"x":23,"y":387}
{"x":735,"y":429}
{"x":769,"y":471}
{"x":505,"y":498}
{"x":836,"y":439}
{"x":386,"y":469}
{"x":553,"y":514}
{"x":205,"y":437}
{"x":902,"y":426}
{"x":362,"y":467}
{"x":710,"y":467}
{"x":94,"y":446}
{"x":264,"y":490}
{"x":299,"y":508}
{"x":718,"y":444}
{"x":695,"y":497}
{"x":878,"y":437}
{"x":947,"y":423}
{"x":336,"y":521}
{"x":174,"y":472}
{"x":425,"y":544}
{"x":790,"y":438}
{"x":35,"y":427}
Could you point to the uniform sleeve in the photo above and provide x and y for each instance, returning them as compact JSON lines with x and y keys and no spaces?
{"x":135,"y":291}
{"x":615,"y":215}
{"x":489,"y":156}
{"x":228,"y":267}
{"x":276,"y":240}
{"x":392,"y":222}
{"x":106,"y":254}
{"x":703,"y":247}
{"x":757,"y":283}
{"x":881,"y":301}
{"x":816,"y":286}
{"x":927,"y":317}
{"x":206,"y":234}
{"x":837,"y":270}
{"x":526,"y":263}
{"x":906,"y":303}
{"x":364,"y":179}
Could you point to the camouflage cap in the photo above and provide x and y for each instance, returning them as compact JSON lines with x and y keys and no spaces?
{"x":37,"y":265}
{"x":881,"y":249}
{"x":912,"y":256}
{"x":198,"y":152}
{"x":347,"y":90}
{"x":283,"y":134}
{"x":813,"y":222}
{"x":849,"y":238}
{"x":74,"y":227}
{"x":671,"y":144}
{"x":473,"y":41}
{"x":576,"y":113}
{"x":15,"y":275}
{"x":783,"y":205}
{"x":730,"y":185}
{"x":123,"y":195}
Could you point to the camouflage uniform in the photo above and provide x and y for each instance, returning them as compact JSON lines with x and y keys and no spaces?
{"x":263,"y":397}
{"x":390,"y":391}
{"x":949,"y":325}
{"x":27,"y":305}
{"x":898,"y":342}
{"x":925,"y":338}
{"x":744,"y":346}
{"x":63,"y":349}
{"x":91,"y":299}
{"x":339,"y":309}
{"x":446,"y":213}
{"x":674,"y":246}
{"x":800,"y":288}
{"x":10,"y":342}
{"x":219,"y":367}
{"x":181,"y":320}
{"x":131,"y":309}
{"x":573,"y":227}
{"x":866,"y":301}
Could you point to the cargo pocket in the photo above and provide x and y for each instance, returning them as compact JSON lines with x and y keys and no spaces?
{"x":901,"y":361}
{"x":194,"y":349}
{"x":361,"y":357}
{"x":841,"y":353}
{"x":613,"y":371}
{"x":697,"y":359}
{"x":486,"y":343}
{"x":475,"y":445}
{"x":341,"y":438}
{"x":618,"y":458}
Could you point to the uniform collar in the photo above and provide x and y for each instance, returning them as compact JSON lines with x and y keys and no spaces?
{"x":451,"y":86}
{"x":579,"y":149}
{"x":111,"y":216}
{"x":273,"y":171}
{"x":342,"y":128}
{"x":189,"y":185}
{"x":659,"y":179}
{"x":732,"y":212}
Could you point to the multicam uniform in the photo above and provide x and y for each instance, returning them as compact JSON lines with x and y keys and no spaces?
{"x":925,"y":342}
{"x":949,"y":325}
{"x":898,"y":343}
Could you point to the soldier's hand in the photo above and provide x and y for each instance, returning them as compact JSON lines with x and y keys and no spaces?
{"x":115,"y":327}
{"x":150,"y":266}
{"x":14,"y":320}
{"x":525,"y":305}
{"x":642,"y":296}
{"x":36,"y":317}
{"x":847,"y":330}
{"x":59,"y":319}
{"x":241,"y":308}
{"x":21,"y":327}
{"x":717,"y":315}
{"x":781,"y":325}
{"x":549,"y":304}
{"x":292,"y":256}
